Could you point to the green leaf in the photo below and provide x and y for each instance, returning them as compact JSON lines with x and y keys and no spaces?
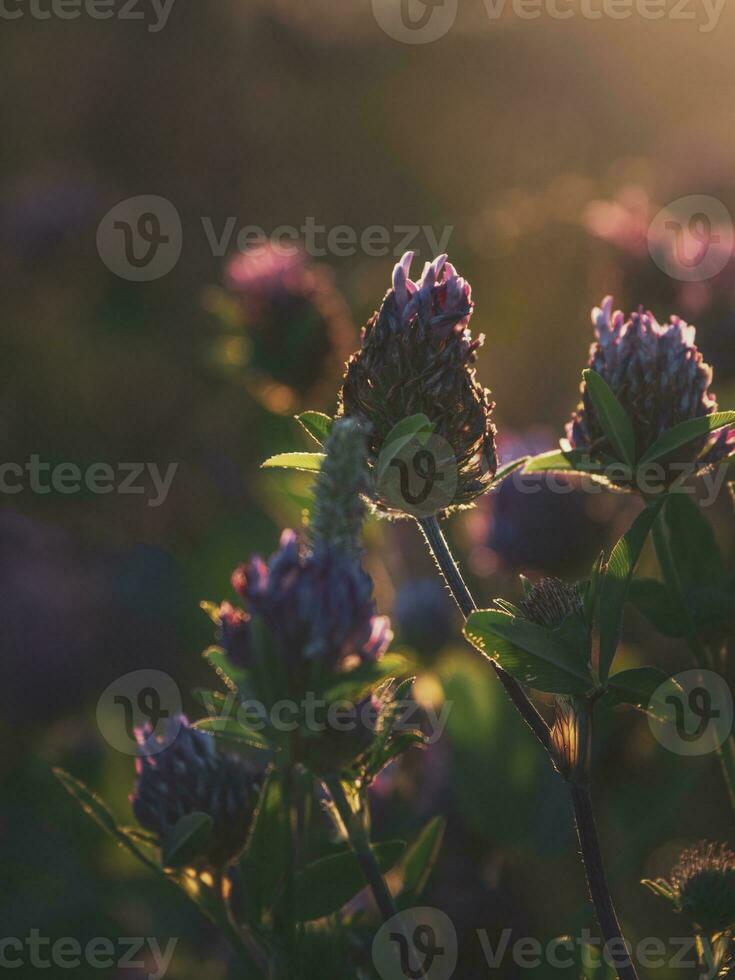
{"x":593,"y":589}
{"x":566,"y":461}
{"x":686,"y":432}
{"x":420,"y":858}
{"x":263,"y":860}
{"x":231,"y":676}
{"x":230,"y":729}
{"x":696,"y":554}
{"x":355,"y":684}
{"x":660,"y":888}
{"x":306,"y":462}
{"x":652,"y":599}
{"x":413,"y":427}
{"x":324,"y":886}
{"x":611,"y":415}
{"x":614,"y":592}
{"x":534,"y":655}
{"x":187,"y":839}
{"x":635,"y":687}
{"x":94,"y":807}
{"x":505,"y":471}
{"x":317,"y":424}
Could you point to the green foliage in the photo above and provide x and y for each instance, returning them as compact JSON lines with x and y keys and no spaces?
{"x":419,"y":860}
{"x":654,"y":601}
{"x":305,"y":462}
{"x":325,"y":886}
{"x":685,"y":433}
{"x":614,"y":591}
{"x":635,"y":687}
{"x":317,"y":424}
{"x":556,"y":661}
{"x":187,"y":839}
{"x":612,"y":417}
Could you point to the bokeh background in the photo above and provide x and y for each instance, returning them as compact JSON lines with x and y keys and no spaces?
{"x":547,"y":146}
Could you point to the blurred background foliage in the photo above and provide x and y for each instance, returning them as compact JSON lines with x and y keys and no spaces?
{"x":547,"y":146}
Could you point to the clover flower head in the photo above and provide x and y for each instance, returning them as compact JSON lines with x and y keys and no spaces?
{"x":317,"y":605}
{"x":702,"y":886}
{"x":417,"y":358}
{"x":659,"y":377}
{"x":550,"y":602}
{"x":189,"y":775}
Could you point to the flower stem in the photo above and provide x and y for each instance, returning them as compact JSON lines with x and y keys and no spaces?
{"x":287,"y":924}
{"x":363,"y":852}
{"x":251,"y":956}
{"x":597,"y":881}
{"x":448,"y":567}
{"x":700,"y":652}
{"x":584,"y":816}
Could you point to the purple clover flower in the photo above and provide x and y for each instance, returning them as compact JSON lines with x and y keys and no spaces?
{"x":317,"y":605}
{"x":188,"y":776}
{"x":417,"y":357}
{"x":659,"y":377}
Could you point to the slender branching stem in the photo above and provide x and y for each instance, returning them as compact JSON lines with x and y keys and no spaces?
{"x":360,"y":844}
{"x":584,"y":816}
{"x":287,"y":923}
{"x":597,"y":881}
{"x":249,"y":953}
{"x":453,"y":577}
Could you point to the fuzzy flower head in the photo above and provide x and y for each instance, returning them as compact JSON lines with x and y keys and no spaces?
{"x":702,"y":886}
{"x":417,"y":358}
{"x":314,"y":598}
{"x":317,"y":605}
{"x":659,"y":377}
{"x":189,"y":776}
{"x":550,"y":602}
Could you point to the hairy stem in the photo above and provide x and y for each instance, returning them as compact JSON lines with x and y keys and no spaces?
{"x":584,"y":816}
{"x":597,"y":881}
{"x":448,"y":567}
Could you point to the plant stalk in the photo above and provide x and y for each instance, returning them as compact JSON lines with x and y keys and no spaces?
{"x":448,"y":567}
{"x":597,"y":881}
{"x":363,"y":852}
{"x":702,"y":655}
{"x":584,"y":816}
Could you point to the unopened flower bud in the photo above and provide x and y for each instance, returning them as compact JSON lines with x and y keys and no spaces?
{"x":702,"y":886}
{"x":550,"y":602}
{"x":660,"y":379}
{"x":417,"y":358}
